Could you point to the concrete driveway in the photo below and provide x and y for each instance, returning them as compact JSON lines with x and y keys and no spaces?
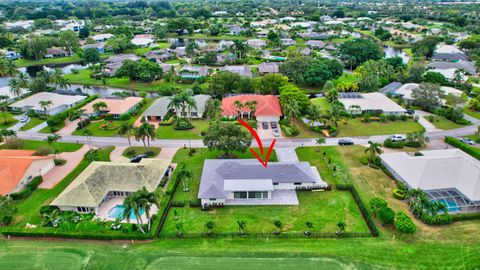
{"x":70,"y":126}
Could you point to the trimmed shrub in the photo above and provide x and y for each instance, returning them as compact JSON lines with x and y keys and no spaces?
{"x":386,"y":216}
{"x":149,"y":153}
{"x":376,"y":204}
{"x":21,"y":194}
{"x":182,"y":124}
{"x":43,"y":151}
{"x":130,"y":152}
{"x":413,"y":144}
{"x":418,"y":154}
{"x":391,"y":144}
{"x":47,"y":209}
{"x":404,"y":224}
{"x":473,"y":151}
{"x":364,"y":160}
{"x":59,"y":162}
{"x":398,"y":194}
{"x":466,"y":216}
{"x":83,"y":123}
{"x":14,"y":143}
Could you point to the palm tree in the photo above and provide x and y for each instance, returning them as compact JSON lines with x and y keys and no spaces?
{"x":145,"y":199}
{"x":126,"y":128}
{"x":63,"y":83}
{"x":185,"y":176}
{"x":242,"y":224}
{"x":189,"y":101}
{"x":175,"y":103}
{"x":7,"y":133}
{"x":279,"y":225}
{"x":179,"y":227}
{"x":241,"y":47}
{"x":53,"y":139}
{"x":309,"y":225}
{"x":99,"y":107}
{"x":210,"y":225}
{"x":15,"y":87}
{"x":373,"y":149}
{"x":341,"y":227}
{"x":213,"y":109}
{"x":291,"y":109}
{"x":45,"y":104}
{"x":4,"y":104}
{"x":23,"y":80}
{"x":139,"y":135}
{"x":149,"y":131}
{"x":56,"y":76}
{"x":252,"y":106}
{"x":7,"y":68}
{"x":48,"y":219}
{"x":131,"y":206}
{"x":239,"y":105}
{"x":88,"y":133}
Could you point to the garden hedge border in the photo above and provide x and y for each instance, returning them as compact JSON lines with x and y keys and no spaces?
{"x":474,"y":152}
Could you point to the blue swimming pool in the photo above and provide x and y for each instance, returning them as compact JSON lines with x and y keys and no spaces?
{"x":117,"y":212}
{"x":452,"y":205}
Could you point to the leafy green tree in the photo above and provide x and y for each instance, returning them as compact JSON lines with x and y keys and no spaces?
{"x":290,"y":92}
{"x":428,"y":96}
{"x":361,"y":50}
{"x":210,"y":225}
{"x":222,"y":83}
{"x":68,"y":40}
{"x":84,"y":32}
{"x":415,"y":72}
{"x":317,"y":73}
{"x":270,"y":84}
{"x":7,"y":210}
{"x":139,"y":71}
{"x":404,"y":224}
{"x":91,"y":56}
{"x":119,"y":44}
{"x":34,"y":47}
{"x":279,"y":225}
{"x":227,"y":138}
{"x":425,"y":47}
{"x":434,"y":77}
{"x":295,"y":67}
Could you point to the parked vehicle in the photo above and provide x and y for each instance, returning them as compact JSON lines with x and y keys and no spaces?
{"x":137,"y":159}
{"x":467,"y":141}
{"x":410,"y":112}
{"x":274,"y":125}
{"x":397,"y":138}
{"x":23,"y":119}
{"x":276,"y":133}
{"x":345,"y":142}
{"x":264,"y":125}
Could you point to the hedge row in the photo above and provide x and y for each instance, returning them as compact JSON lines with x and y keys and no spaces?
{"x":27,"y":191}
{"x":363,"y":209}
{"x":474,"y":152}
{"x":466,"y":216}
{"x":58,"y":118}
{"x":53,"y":232}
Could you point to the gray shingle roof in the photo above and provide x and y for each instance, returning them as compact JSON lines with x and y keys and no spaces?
{"x":468,"y":66}
{"x":216,"y":171}
{"x":391,"y":87}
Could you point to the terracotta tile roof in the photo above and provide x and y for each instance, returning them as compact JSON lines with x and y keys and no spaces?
{"x":13,"y":165}
{"x":114,"y":106}
{"x":267,"y":105}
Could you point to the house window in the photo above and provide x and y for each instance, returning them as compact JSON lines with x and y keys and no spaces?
{"x":212,"y":199}
{"x":258,"y":194}
{"x":240,"y":194}
{"x":194,"y":114}
{"x":297,"y":183}
{"x":184,"y":114}
{"x":275,"y":183}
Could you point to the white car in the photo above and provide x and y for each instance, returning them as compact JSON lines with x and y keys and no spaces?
{"x":397,"y":138}
{"x":276,"y":133}
{"x":23,"y":119}
{"x":467,"y":141}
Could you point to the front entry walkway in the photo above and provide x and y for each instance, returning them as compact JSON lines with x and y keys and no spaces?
{"x":286,"y":154}
{"x":279,"y":197}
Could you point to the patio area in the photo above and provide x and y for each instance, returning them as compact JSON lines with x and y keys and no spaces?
{"x":113,"y":208}
{"x":279,"y":197}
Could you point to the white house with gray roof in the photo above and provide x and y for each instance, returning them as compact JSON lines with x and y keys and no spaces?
{"x":157,"y":111}
{"x":247,"y":182}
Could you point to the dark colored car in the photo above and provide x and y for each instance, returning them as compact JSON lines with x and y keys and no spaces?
{"x":274,"y":125}
{"x":345,"y":142}
{"x":137,"y":159}
{"x":410,"y":112}
{"x":264,"y":125}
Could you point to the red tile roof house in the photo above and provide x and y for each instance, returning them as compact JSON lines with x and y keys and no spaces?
{"x":19,"y":167}
{"x":115,"y":107}
{"x":268,"y":107}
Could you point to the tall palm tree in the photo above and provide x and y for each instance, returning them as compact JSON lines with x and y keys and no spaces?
{"x":131,"y":206}
{"x":149,"y":131}
{"x":63,"y":83}
{"x":56,"y":76}
{"x":373,"y":149}
{"x":125,"y":129}
{"x":185,"y":176}
{"x":53,"y":140}
{"x":23,"y":80}
{"x":291,"y":109}
{"x":341,"y":226}
{"x":252,"y":106}
{"x":239,"y":105}
{"x":99,"y":107}
{"x":88,"y":133}
{"x":45,"y":104}
{"x":175,"y":103}
{"x":214,"y":109}
{"x":4,"y":104}
{"x":7,"y":133}
{"x":145,"y":200}
{"x":15,"y":87}
{"x":242,"y":224}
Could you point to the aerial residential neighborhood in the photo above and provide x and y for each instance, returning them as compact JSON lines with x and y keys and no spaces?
{"x":158,"y":134}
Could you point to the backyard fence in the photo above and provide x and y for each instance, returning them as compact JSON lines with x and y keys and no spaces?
{"x":167,"y":205}
{"x":283,"y":235}
{"x":363,"y":209}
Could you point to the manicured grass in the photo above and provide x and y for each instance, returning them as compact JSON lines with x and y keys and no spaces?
{"x":168,"y":132}
{"x":7,"y":120}
{"x":28,"y":209}
{"x":475,"y":137}
{"x":172,"y":61}
{"x":441,"y":122}
{"x":346,"y":78}
{"x":61,"y":146}
{"x":324,"y":209}
{"x":48,"y":61}
{"x":471,"y":113}
{"x":355,"y":127}
{"x":195,"y":164}
{"x":322,"y":103}
{"x":34,"y":121}
{"x":140,"y":150}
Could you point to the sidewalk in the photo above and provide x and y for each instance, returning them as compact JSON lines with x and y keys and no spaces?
{"x":117,"y":152}
{"x":422,"y":121}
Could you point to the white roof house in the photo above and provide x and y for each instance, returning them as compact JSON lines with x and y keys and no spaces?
{"x":406,"y":91}
{"x":443,"y":48}
{"x":370,"y":102}
{"x":102,"y":37}
{"x":437,"y":170}
{"x":59,"y":104}
{"x":142,"y":40}
{"x":5,"y":91}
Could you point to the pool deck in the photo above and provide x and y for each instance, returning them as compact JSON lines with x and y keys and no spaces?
{"x":108,"y":205}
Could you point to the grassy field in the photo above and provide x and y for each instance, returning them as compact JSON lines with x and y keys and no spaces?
{"x":441,"y":122}
{"x":168,"y":132}
{"x":324,"y":209}
{"x":195,"y":164}
{"x":322,"y":103}
{"x":140,"y":150}
{"x":61,"y":146}
{"x":28,"y":209}
{"x":8,"y":117}
{"x":48,"y":61}
{"x":472,"y":113}
{"x":346,"y":78}
{"x":355,"y":127}
{"x":34,"y":121}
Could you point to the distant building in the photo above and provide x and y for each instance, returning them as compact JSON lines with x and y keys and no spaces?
{"x":59,"y":104}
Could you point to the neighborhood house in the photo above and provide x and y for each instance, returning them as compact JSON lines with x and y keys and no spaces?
{"x":59,"y":103}
{"x":267,"y":109}
{"x":376,"y":103}
{"x":157,"y":111}
{"x":115,"y":107}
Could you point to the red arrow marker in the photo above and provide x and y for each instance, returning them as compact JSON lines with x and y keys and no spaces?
{"x":259,"y":142}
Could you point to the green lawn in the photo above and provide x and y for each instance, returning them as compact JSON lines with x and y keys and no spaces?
{"x":28,"y":209}
{"x":441,"y":122}
{"x":324,"y":209}
{"x":48,"y":61}
{"x":34,"y":121}
{"x":322,"y":103}
{"x":61,"y":146}
{"x":471,"y":113}
{"x":195,"y":164}
{"x":140,"y":150}
{"x":346,"y":78}
{"x":355,"y":127}
{"x":7,"y":120}
{"x":168,"y":132}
